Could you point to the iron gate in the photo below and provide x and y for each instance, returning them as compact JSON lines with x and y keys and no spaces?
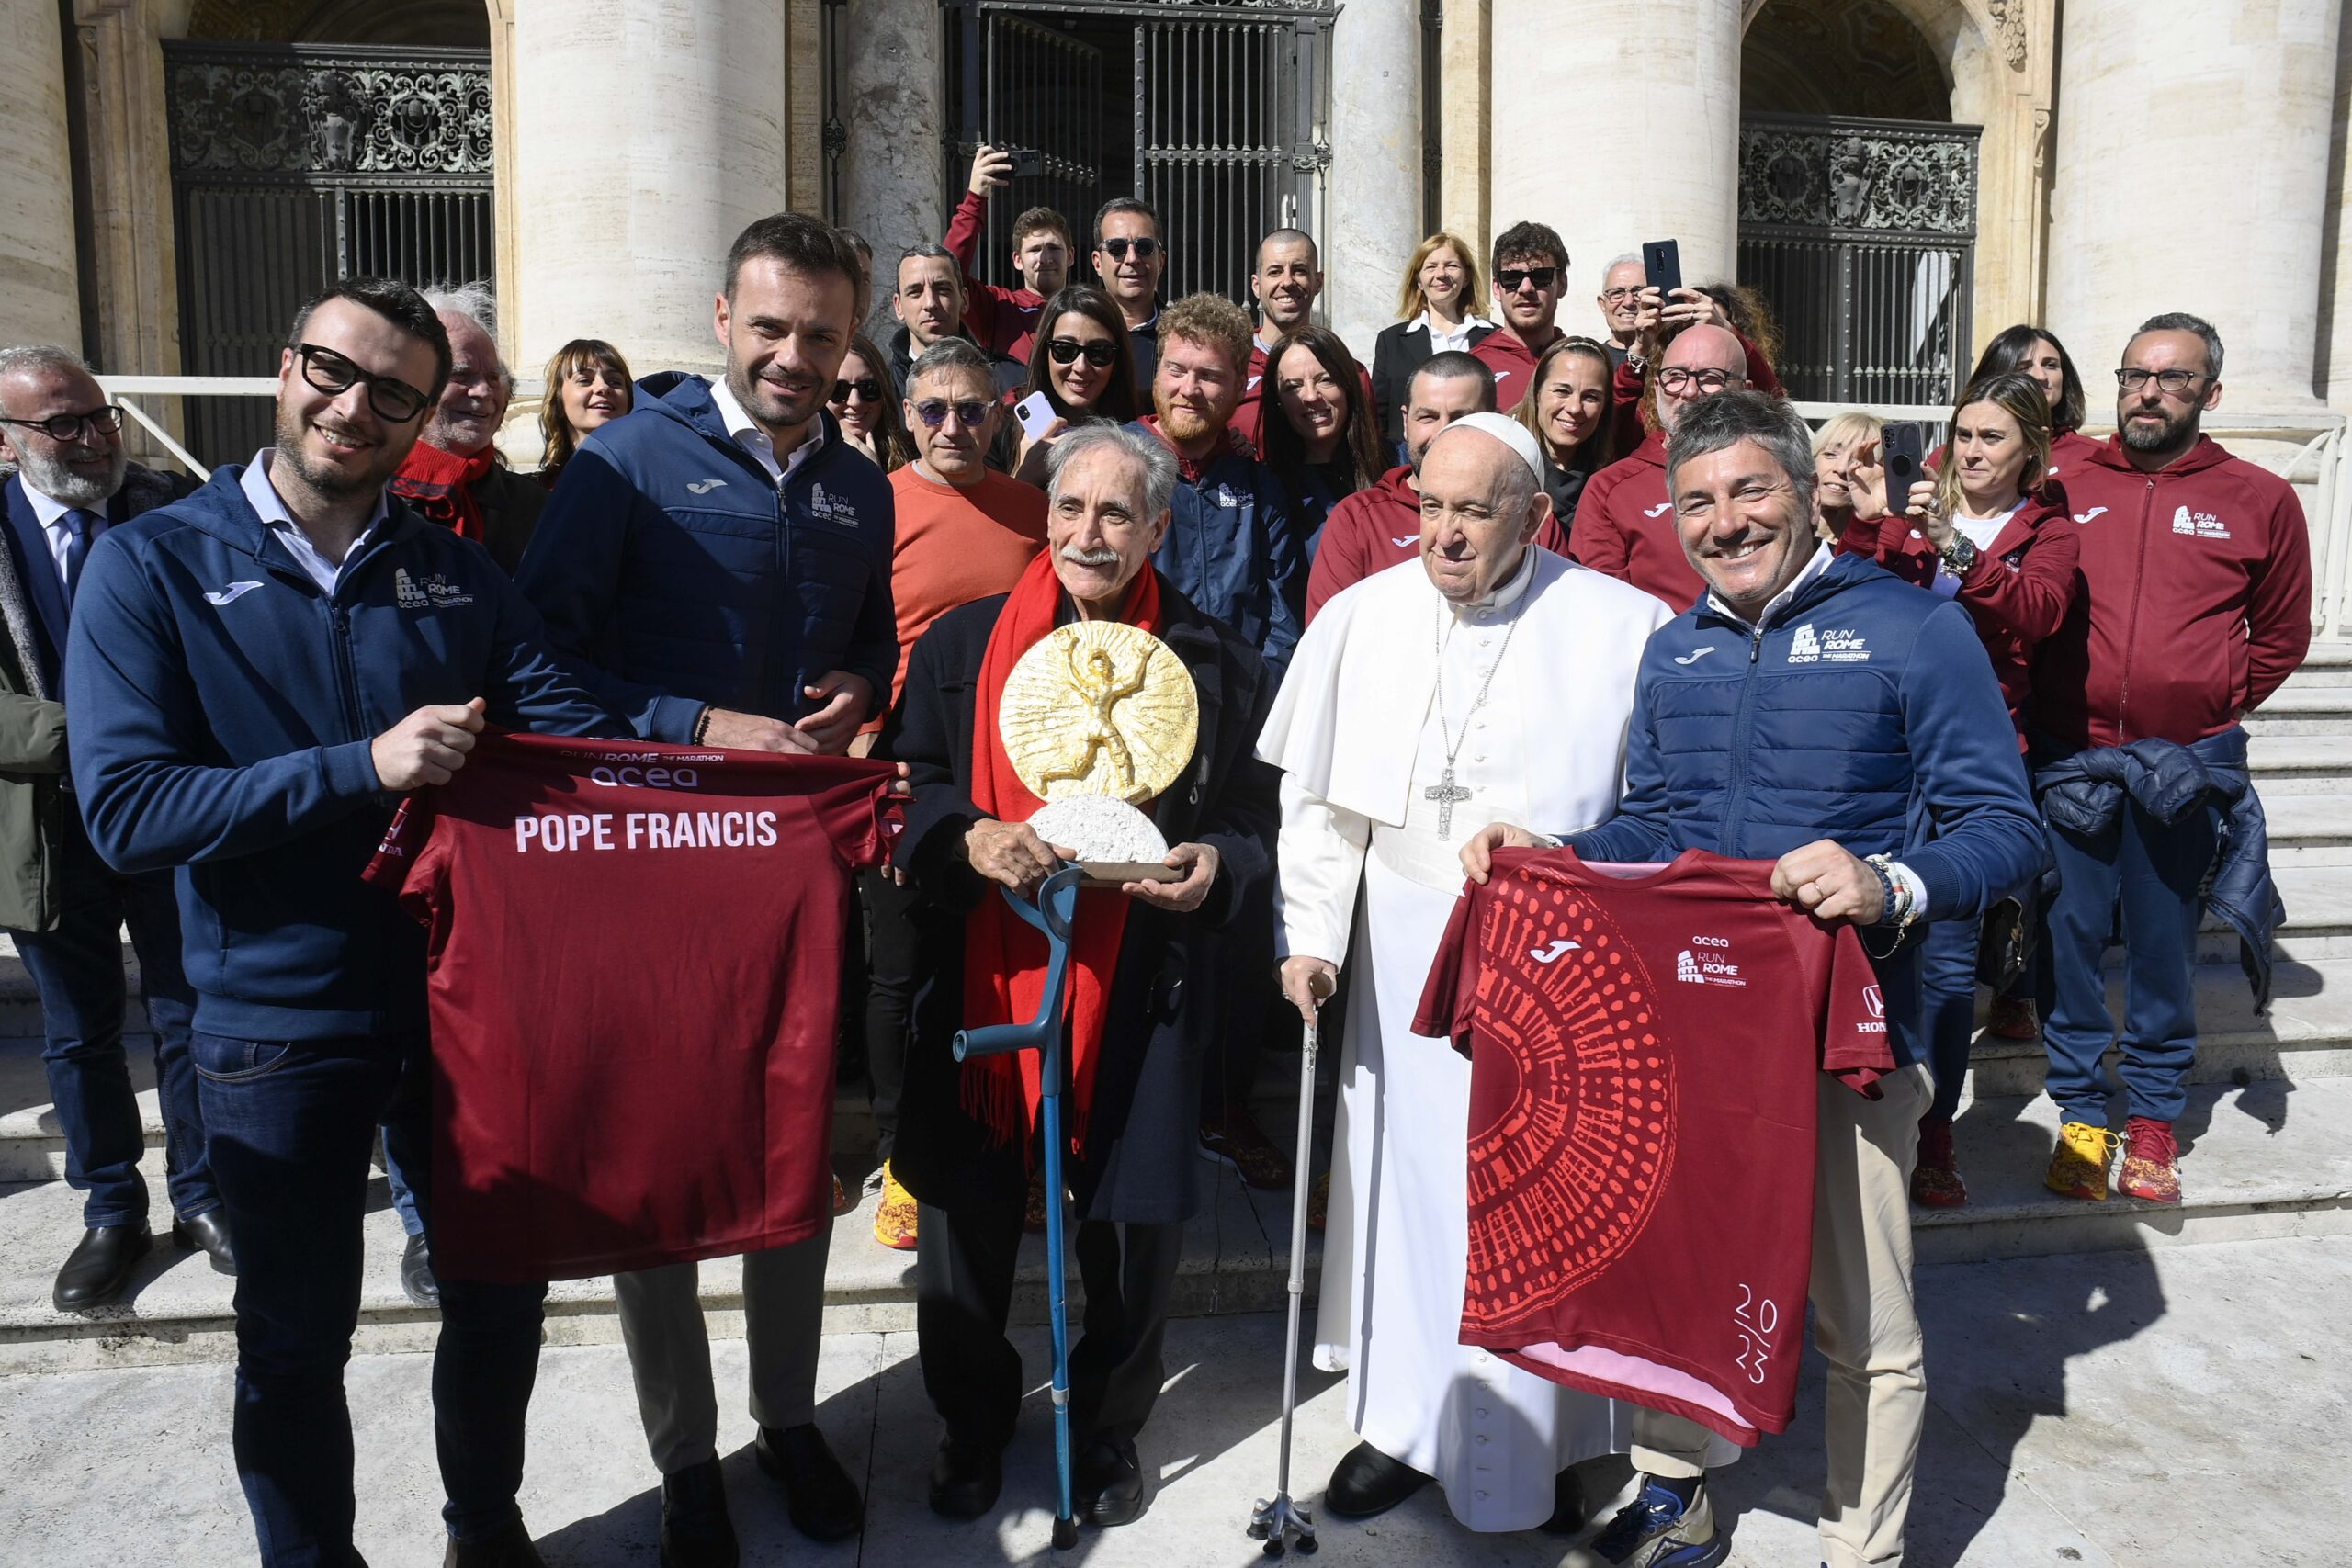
{"x":293,"y":165}
{"x":1862,"y":235}
{"x":1216,"y":114}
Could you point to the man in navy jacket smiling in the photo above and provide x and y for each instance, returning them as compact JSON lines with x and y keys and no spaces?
{"x":1814,"y":711}
{"x":261,"y":669}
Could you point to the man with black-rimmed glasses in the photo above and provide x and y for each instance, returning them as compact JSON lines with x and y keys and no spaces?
{"x":258,"y":671}
{"x":65,"y":907}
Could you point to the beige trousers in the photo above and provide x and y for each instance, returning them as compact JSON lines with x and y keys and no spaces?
{"x":669,"y":1347}
{"x":1864,"y":1324}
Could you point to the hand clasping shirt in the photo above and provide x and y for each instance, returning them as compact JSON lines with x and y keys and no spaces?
{"x":1645,"y":1043}
{"x":635,"y":961}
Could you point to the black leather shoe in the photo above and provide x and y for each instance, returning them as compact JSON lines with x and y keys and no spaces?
{"x":1107,"y":1483}
{"x":510,"y":1547}
{"x":820,"y":1498}
{"x":965,"y":1479}
{"x":100,"y":1265}
{"x":417,"y":1282}
{"x":208,"y":1233}
{"x":1569,"y":1509}
{"x":695,"y":1530}
{"x":1367,"y":1482}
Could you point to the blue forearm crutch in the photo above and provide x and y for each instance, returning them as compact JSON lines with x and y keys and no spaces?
{"x":1056,"y":904}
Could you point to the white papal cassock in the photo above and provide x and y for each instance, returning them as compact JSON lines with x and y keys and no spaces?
{"x":1356,"y":733}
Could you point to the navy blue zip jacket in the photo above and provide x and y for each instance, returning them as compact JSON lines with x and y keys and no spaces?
{"x":669,"y":562}
{"x":223,"y":709}
{"x":1234,"y":550}
{"x":1865,"y":711}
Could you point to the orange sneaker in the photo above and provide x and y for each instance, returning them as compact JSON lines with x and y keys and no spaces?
{"x":1935,"y":1179}
{"x":2013,"y":1018}
{"x":2151,"y":1162}
{"x":2078,"y":1167}
{"x":843,"y":1203}
{"x":893,"y":1217}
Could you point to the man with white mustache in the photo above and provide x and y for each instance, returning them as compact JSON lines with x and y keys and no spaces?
{"x":1625,"y":523}
{"x":454,"y":474}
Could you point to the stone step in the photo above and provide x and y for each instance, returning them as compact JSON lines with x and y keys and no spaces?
{"x":2304,"y":710}
{"x":2265,"y":1159}
{"x":2300,"y":764}
{"x":2318,"y":924}
{"x":2310,"y":830}
{"x":2329,"y":663}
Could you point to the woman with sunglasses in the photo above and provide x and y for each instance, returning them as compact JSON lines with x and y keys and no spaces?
{"x":1568,"y":416}
{"x":866,"y":403}
{"x":588,"y":385}
{"x":1082,"y":364}
{"x":1438,"y":308}
{"x":1320,"y":438}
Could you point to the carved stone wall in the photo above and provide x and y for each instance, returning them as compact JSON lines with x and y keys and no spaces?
{"x":1863,"y":176}
{"x":318,"y":113}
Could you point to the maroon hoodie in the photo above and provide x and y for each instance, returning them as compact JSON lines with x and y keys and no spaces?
{"x":2196,"y":602}
{"x":1376,"y":529}
{"x":1004,"y":321}
{"x":1625,"y":527}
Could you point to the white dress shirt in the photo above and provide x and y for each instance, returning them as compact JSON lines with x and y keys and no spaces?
{"x":757,"y":442}
{"x":1448,"y":342}
{"x":263,"y":497}
{"x":53,"y":514}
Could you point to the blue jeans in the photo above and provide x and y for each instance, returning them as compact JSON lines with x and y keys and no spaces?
{"x":404,"y":1192}
{"x":292,"y":1127}
{"x":1948,"y":1008}
{"x":77,"y":970}
{"x":2144,"y":876}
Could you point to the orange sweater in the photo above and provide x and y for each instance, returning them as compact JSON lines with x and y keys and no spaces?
{"x":955,"y":545}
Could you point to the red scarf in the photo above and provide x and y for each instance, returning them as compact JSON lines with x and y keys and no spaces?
{"x":1004,"y":957}
{"x":440,"y":484}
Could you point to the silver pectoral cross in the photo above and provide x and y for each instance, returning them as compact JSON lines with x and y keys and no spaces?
{"x":1446,"y":793}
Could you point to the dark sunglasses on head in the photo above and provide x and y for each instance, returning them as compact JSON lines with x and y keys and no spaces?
{"x":1099,"y":350}
{"x":1509,"y":278}
{"x":106,"y":419}
{"x":866,"y":387}
{"x":1146,"y":247}
{"x":392,"y":398}
{"x":934,"y":412}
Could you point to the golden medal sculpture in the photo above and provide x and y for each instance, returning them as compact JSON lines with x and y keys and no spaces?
{"x":1097,"y":718}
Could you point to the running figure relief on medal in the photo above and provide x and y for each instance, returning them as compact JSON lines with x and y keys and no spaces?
{"x":1098,"y":718}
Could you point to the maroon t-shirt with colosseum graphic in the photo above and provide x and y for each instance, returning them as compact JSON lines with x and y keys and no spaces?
{"x":1647,"y":1046}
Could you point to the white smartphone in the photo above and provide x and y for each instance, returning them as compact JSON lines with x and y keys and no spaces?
{"x":1036,"y":414}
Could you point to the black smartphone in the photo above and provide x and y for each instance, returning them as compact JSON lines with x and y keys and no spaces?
{"x":1662,"y":267}
{"x":1027,"y":161}
{"x":1902,"y":454}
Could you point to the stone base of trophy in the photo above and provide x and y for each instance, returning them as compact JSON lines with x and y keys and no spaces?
{"x":1115,"y":842}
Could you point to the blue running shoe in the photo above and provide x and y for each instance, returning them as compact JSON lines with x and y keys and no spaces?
{"x":1655,"y":1530}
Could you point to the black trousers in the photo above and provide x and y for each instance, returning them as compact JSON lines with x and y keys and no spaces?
{"x":891,"y":941}
{"x":964,"y":1264}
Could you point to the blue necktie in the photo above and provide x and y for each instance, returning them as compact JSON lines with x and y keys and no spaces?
{"x":83,"y":526}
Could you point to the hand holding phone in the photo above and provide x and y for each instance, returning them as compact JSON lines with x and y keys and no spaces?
{"x":1037,"y":415}
{"x":1027,"y":161}
{"x":1662,"y":266}
{"x":1902,"y":460}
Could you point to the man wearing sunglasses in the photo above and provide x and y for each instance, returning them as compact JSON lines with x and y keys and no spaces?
{"x":256,"y":671}
{"x":1531,"y":267}
{"x":722,"y":556}
{"x":64,"y":906}
{"x":1130,"y":256}
{"x":1004,"y":321}
{"x":2196,"y":607}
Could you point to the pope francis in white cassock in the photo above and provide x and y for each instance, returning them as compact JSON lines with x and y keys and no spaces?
{"x":1488,"y":680}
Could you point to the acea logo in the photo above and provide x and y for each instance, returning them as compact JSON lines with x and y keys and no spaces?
{"x":646,"y":778}
{"x":1843,"y":645}
{"x":2198,"y":524}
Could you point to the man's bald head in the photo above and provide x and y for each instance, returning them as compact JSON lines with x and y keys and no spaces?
{"x":1701,"y":362}
{"x":1481,"y":506}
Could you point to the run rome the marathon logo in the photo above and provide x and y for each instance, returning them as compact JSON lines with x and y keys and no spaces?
{"x":831,"y":508}
{"x":1707,"y":961}
{"x":2198,"y":524}
{"x":1842,"y":645}
{"x":431,"y":592}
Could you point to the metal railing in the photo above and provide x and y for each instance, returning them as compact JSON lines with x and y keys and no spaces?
{"x":126,"y":391}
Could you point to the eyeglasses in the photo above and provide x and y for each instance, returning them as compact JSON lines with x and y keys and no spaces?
{"x":866,"y":387}
{"x":1509,"y":278}
{"x":934,"y":412}
{"x":104,"y":420}
{"x":2174,"y":382}
{"x":1675,"y":377}
{"x":1116,"y":247}
{"x":1099,"y":350}
{"x":392,"y":398}
{"x":1619,"y":296}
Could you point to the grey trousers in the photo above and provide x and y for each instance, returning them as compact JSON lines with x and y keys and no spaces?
{"x":669,"y":1347}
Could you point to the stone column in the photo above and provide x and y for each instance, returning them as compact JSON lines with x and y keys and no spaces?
{"x":1375,"y":216}
{"x":1465,"y":98}
{"x":133,"y":264}
{"x":893,"y":101}
{"x":41,"y":297}
{"x":1621,"y":124}
{"x":646,"y":134}
{"x":2192,"y":174}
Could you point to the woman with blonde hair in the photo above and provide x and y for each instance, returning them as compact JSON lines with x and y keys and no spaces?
{"x":1437,"y":308}
{"x":588,"y":385}
{"x":1567,"y":410}
{"x":1848,"y":500}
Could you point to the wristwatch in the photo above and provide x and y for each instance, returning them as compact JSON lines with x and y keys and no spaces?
{"x":1959,"y":555}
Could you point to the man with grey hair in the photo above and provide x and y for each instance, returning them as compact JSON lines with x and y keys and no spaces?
{"x":1136,"y":1043}
{"x":1917,"y":811}
{"x":65,"y":907}
{"x":455,"y":474}
{"x":1425,"y":692}
{"x":1620,"y":304}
